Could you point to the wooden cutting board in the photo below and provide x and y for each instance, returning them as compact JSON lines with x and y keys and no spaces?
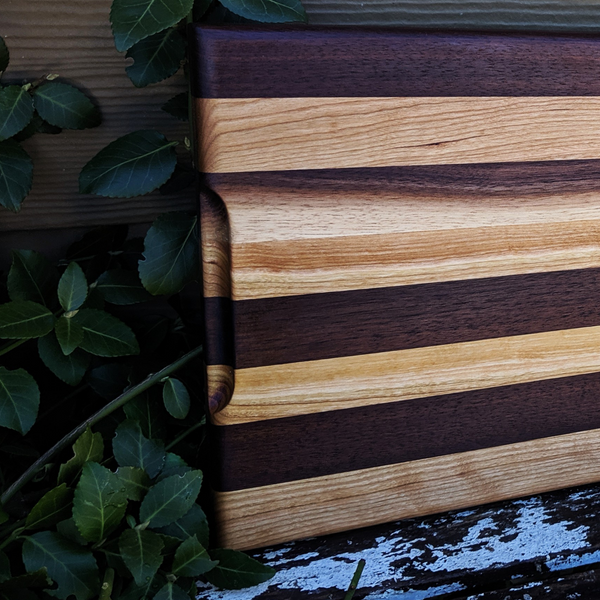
{"x":401,"y":256}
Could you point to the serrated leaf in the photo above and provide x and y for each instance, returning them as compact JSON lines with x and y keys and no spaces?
{"x":35,"y":579}
{"x":132,"y":165}
{"x":16,"y":110}
{"x":100,"y":502}
{"x":134,"y":20}
{"x":170,"y":499}
{"x":177,"y":106}
{"x":19,"y":400}
{"x":141,"y":551}
{"x":72,"y":567}
{"x":69,"y":334}
{"x":146,"y":591}
{"x":31,"y":277}
{"x":122,"y":287}
{"x":136,"y":482}
{"x":237,"y":570}
{"x":69,"y":369}
{"x":4,"y":568}
{"x":156,"y":57}
{"x":52,"y":507}
{"x":171,"y":591}
{"x":132,"y":449}
{"x":148,"y":413}
{"x":30,"y":129}
{"x":88,"y":447}
{"x":23,"y":320}
{"x":174,"y":465}
{"x":191,"y":559}
{"x":16,"y":175}
{"x":64,"y":106}
{"x":4,"y":55}
{"x":171,"y":256}
{"x":194,"y":522}
{"x":105,"y":335}
{"x":72,"y":288}
{"x":268,"y":11}
{"x":69,"y":531}
{"x":176,"y":398}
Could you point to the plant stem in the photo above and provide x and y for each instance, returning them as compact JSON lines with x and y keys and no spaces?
{"x":186,"y":433}
{"x":12,"y":346}
{"x":107,"y":585}
{"x":354,"y":583}
{"x":90,"y":421}
{"x":12,"y":537}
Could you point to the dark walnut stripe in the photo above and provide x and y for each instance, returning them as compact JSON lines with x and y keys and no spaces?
{"x":289,"y":449}
{"x":291,"y":329}
{"x":218,"y":334}
{"x":292,"y":61}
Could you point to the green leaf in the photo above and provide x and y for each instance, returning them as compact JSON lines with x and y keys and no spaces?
{"x":134,"y":20}
{"x":19,"y":400}
{"x":52,"y":507}
{"x":132,"y":449}
{"x":268,"y":11}
{"x":170,"y":591}
{"x":69,"y":369}
{"x":236,"y":570}
{"x":194,"y":522}
{"x":24,"y":320}
{"x":4,"y":516}
{"x":177,"y":106}
{"x":170,"y":253}
{"x":156,"y":57}
{"x":72,"y":567}
{"x":100,"y":502}
{"x":69,"y":531}
{"x":16,"y":110}
{"x":148,"y":413}
{"x":64,"y":106}
{"x":136,"y":482}
{"x":72,"y":288}
{"x":146,"y":591}
{"x":105,"y":335}
{"x":31,"y":277}
{"x":132,"y":165}
{"x":88,"y":447}
{"x":4,"y":55}
{"x":35,"y":579}
{"x":141,"y":551}
{"x":122,"y":287}
{"x":170,"y":499}
{"x":176,"y":398}
{"x":69,"y":334}
{"x":191,"y":559}
{"x":4,"y":568}
{"x":16,"y":175}
{"x":174,"y":465}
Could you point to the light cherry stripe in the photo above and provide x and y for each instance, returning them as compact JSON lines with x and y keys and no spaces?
{"x":273,"y":514}
{"x":288,"y":390}
{"x":274,"y":134}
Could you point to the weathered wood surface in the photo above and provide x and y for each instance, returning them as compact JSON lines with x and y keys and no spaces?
{"x":545,"y":546}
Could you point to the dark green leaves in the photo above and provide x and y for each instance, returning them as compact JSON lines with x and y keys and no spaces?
{"x":133,"y":165}
{"x":268,"y":11}
{"x":88,"y":447}
{"x":72,"y":288}
{"x":16,"y":110}
{"x":54,"y":506}
{"x":4,"y":56}
{"x":64,"y":106}
{"x":135,"y":481}
{"x":171,"y":591}
{"x":134,"y":20}
{"x":31,"y":277}
{"x":141,"y":551}
{"x":170,"y":499}
{"x":24,"y":320}
{"x":122,"y":287}
{"x":105,"y":335}
{"x":194,"y":522}
{"x":19,"y":400}
{"x":69,"y":334}
{"x":132,"y":449}
{"x":191,"y":559}
{"x":177,"y":106}
{"x":72,"y":567}
{"x":237,"y":570}
{"x":156,"y":57}
{"x":69,"y":369}
{"x":16,"y":175}
{"x":100,"y":502}
{"x":176,"y":398}
{"x":170,"y":253}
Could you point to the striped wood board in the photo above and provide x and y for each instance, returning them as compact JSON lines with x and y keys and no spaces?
{"x":401,"y":254}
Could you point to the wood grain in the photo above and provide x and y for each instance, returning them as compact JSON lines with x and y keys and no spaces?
{"x":268,"y":515}
{"x":274,"y":134}
{"x":271,"y":331}
{"x":313,"y":387}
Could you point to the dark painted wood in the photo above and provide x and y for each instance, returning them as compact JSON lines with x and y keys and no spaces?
{"x":292,"y":448}
{"x":295,"y":61}
{"x":486,"y":182}
{"x":218,"y":333}
{"x":291,"y":329}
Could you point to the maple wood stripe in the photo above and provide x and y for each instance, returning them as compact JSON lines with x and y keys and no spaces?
{"x":316,"y":445}
{"x":287,"y":62}
{"x":289,"y":329}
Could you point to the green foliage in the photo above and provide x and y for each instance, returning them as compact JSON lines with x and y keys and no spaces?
{"x":171,"y":591}
{"x":68,"y":368}
{"x":53,"y":506}
{"x":31,"y":277}
{"x":132,"y":449}
{"x":19,"y":400}
{"x":191,"y":559}
{"x":236,"y":570}
{"x":135,"y":481}
{"x":16,"y":175}
{"x":122,"y":287}
{"x":88,"y":447}
{"x":64,"y":106}
{"x":133,"y":165}
{"x":105,"y":335}
{"x":141,"y":551}
{"x":267,"y":11}
{"x":69,"y":334}
{"x":72,"y":288}
{"x":177,"y":106}
{"x":16,"y":110}
{"x":193,"y":523}
{"x":176,"y":398}
{"x":24,"y":319}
